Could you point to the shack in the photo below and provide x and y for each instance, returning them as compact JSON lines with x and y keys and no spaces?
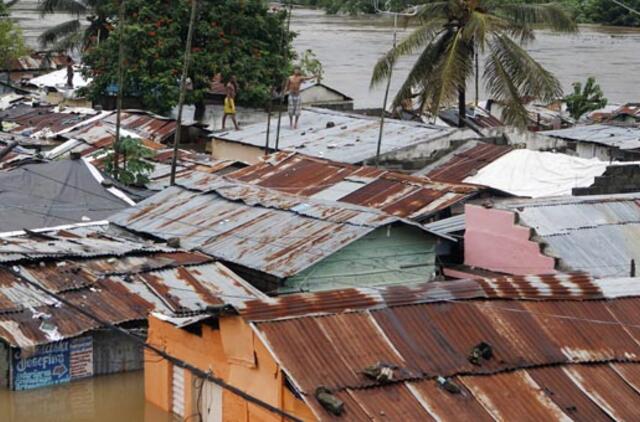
{"x":47,"y":275}
{"x":283,"y":243}
{"x":339,"y":136}
{"x":437,"y":351}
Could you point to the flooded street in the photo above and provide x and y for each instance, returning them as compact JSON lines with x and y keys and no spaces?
{"x":102,"y":399}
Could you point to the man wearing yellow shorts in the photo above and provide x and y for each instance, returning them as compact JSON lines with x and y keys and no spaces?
{"x":231,"y":89}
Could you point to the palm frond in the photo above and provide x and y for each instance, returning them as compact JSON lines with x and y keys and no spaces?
{"x":450,"y":73}
{"x":56,"y":33}
{"x":434,"y":9}
{"x":421,"y":72}
{"x":481,"y":25}
{"x":548,"y":15}
{"x":511,"y":74}
{"x":418,"y":38}
{"x":529,"y":76}
{"x":75,"y":7}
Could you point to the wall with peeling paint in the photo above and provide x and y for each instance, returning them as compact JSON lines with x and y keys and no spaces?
{"x":232,"y":352}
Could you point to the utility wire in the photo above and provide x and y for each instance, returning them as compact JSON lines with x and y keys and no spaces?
{"x":170,"y":358}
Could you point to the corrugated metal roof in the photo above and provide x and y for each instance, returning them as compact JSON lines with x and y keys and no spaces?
{"x":540,"y":349}
{"x":464,"y":161}
{"x":339,"y":136}
{"x":449,"y":225}
{"x":595,"y":234}
{"x":257,"y":228}
{"x":623,"y":137}
{"x":392,"y":192}
{"x":43,"y":121}
{"x":119,"y":286}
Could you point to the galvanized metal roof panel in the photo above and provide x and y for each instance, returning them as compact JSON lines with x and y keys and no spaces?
{"x":340,"y":136}
{"x":623,"y":137}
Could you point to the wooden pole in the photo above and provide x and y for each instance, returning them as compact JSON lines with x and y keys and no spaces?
{"x":183,"y":89}
{"x":116,"y":144}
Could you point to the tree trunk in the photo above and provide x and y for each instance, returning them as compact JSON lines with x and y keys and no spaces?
{"x":462,"y":107}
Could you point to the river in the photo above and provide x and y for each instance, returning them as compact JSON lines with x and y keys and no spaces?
{"x":349,"y":46}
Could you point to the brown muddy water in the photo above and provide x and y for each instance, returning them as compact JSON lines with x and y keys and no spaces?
{"x":109,"y":398}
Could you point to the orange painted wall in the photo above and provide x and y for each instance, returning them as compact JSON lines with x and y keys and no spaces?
{"x":232,"y":352}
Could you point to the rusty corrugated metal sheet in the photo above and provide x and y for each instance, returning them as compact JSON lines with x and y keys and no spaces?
{"x":566,"y":395}
{"x":447,"y":406}
{"x":86,"y":268}
{"x":394,"y":193}
{"x":607,"y":389}
{"x":514,"y":397}
{"x":465,"y":161}
{"x":553,"y":287}
{"x":40,"y":122}
{"x":257,"y":228}
{"x":393,"y":403}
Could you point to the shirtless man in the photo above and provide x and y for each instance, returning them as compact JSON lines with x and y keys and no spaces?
{"x":293,"y":89}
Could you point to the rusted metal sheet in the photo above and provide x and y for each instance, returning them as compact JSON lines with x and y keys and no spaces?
{"x":446,"y":406}
{"x":465,"y":161}
{"x":514,"y":396}
{"x":553,"y":287}
{"x":393,"y":403}
{"x":118,"y":280}
{"x":41,"y":122}
{"x":394,"y":193}
{"x":566,"y":395}
{"x":258,"y":228}
{"x":607,"y":389}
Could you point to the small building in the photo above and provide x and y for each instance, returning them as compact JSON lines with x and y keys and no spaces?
{"x":338,"y":136}
{"x":47,"y":275}
{"x":53,"y":87}
{"x":606,"y":142}
{"x":413,"y":197}
{"x":284,"y":243}
{"x":598,"y":235}
{"x":511,"y":348}
{"x":312,"y":94}
{"x":32,"y":65}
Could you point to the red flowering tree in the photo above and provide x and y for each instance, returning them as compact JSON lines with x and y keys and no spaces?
{"x":241,"y":37}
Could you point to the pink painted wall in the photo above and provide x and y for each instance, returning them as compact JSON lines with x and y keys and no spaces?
{"x":493,"y":241}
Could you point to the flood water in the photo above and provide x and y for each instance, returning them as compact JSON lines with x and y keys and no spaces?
{"x":111,"y":398}
{"x":349,"y":47}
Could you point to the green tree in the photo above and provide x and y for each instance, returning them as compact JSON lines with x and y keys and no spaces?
{"x":231,"y":37}
{"x":12,"y":45}
{"x":585,"y":98}
{"x":74,"y":34}
{"x":609,"y":13}
{"x":310,"y":65}
{"x":135,"y":167}
{"x":450,"y":34}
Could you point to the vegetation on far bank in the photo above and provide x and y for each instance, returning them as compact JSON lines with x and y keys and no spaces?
{"x":603,"y":12}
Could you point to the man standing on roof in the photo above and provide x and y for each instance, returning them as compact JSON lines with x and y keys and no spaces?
{"x":293,"y":89}
{"x":70,"y":72}
{"x":231,"y":89}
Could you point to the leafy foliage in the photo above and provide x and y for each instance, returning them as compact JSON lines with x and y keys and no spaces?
{"x":12,"y":45}
{"x":585,"y":98}
{"x":453,"y":31}
{"x":134,"y":168}
{"x":231,"y":37}
{"x":609,"y":13}
{"x":310,"y":65}
{"x":73,"y":34}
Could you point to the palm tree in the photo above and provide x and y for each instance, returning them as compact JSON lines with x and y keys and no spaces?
{"x":452,"y":32}
{"x":73,"y":34}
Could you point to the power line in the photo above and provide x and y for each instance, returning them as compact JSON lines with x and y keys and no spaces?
{"x":172,"y":359}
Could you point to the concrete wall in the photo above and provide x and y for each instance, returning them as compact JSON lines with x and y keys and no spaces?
{"x":114,"y":352}
{"x":616,"y":179}
{"x":494,"y":241}
{"x":230,"y":351}
{"x":224,"y":150}
{"x":390,"y":255}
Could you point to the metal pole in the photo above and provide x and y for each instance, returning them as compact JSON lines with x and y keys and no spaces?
{"x":183,"y":88}
{"x":286,"y":56}
{"x":116,"y":144}
{"x":477,"y":78}
{"x":386,"y":94}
